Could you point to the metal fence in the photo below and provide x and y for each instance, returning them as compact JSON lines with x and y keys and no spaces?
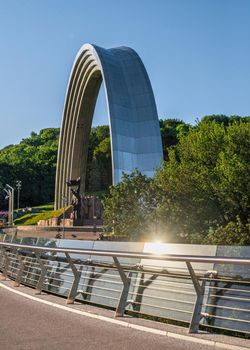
{"x":200,"y":290}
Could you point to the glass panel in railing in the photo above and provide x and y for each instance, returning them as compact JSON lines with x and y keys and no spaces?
{"x":100,"y":285}
{"x":48,"y":242}
{"x":29,"y":240}
{"x":16,"y":239}
{"x":132,"y":247}
{"x":242,"y":271}
{"x":8,"y":238}
{"x":76,"y":244}
{"x":101,"y":282}
{"x":59,"y":278}
{"x":159,"y":248}
{"x":229,"y":294}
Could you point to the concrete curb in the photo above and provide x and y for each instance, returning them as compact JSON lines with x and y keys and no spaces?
{"x":190,"y":338}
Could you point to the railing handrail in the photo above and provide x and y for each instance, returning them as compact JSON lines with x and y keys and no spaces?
{"x":22,"y":251}
{"x":135,"y":255}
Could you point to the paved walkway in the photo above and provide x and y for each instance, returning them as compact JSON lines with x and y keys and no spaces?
{"x":45,"y":322}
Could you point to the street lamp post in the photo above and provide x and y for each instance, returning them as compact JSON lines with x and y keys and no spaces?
{"x":18,"y":186}
{"x":64,"y":199}
{"x":10,"y":196}
{"x":10,"y":191}
{"x":9,"y":210}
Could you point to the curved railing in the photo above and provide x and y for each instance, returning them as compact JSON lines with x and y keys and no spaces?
{"x":187,"y":290}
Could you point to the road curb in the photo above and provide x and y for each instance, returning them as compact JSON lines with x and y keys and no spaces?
{"x":190,"y":338}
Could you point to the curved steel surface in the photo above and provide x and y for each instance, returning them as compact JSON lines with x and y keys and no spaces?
{"x":133,"y":119}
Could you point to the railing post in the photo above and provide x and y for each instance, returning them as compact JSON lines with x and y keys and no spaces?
{"x":199,"y":289}
{"x":1,"y":257}
{"x":5,"y":265}
{"x":77,"y":275}
{"x":42,"y":274}
{"x":20,"y":271}
{"x":122,"y":303}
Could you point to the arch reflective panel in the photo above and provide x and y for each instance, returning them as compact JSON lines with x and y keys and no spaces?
{"x":133,"y":120}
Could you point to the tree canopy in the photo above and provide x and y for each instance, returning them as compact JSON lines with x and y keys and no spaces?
{"x":201,"y":191}
{"x":33,"y":161}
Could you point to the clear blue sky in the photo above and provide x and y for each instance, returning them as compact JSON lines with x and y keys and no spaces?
{"x":196,"y":52}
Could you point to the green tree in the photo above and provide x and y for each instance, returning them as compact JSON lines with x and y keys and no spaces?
{"x":170,"y":132}
{"x":224,"y":119}
{"x":33,"y":161}
{"x":99,"y":166}
{"x":233,"y":233}
{"x":129,"y":205}
{"x":204,"y":185}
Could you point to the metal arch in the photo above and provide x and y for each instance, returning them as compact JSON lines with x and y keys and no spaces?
{"x":134,"y":127}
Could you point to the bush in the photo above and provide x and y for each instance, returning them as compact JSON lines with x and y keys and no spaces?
{"x":234,"y":233}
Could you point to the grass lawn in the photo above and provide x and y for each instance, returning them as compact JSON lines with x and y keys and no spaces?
{"x":44,"y":208}
{"x":43,"y":212}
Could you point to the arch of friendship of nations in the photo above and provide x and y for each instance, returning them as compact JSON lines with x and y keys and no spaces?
{"x":133,"y":119}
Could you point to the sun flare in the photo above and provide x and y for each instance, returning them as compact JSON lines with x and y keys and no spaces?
{"x":156,"y":247}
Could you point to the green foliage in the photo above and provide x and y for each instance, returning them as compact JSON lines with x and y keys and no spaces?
{"x":94,"y":178}
{"x":201,"y":193}
{"x":100,"y":174}
{"x":205,"y":183}
{"x":223,"y":119}
{"x":171,"y":129}
{"x":218,"y":118}
{"x":233,"y":233}
{"x":33,"y":218}
{"x":128,"y":206}
{"x":186,"y":181}
{"x":99,"y":167}
{"x":43,"y":208}
{"x":33,"y":161}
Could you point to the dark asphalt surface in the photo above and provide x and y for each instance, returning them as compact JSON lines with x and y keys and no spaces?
{"x":27,"y":324}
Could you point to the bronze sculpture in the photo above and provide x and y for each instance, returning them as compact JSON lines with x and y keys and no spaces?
{"x":76,"y":198}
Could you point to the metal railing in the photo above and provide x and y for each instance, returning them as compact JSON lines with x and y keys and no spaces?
{"x":115,"y":278}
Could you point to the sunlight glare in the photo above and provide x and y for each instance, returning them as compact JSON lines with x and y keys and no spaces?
{"x":156,"y":247}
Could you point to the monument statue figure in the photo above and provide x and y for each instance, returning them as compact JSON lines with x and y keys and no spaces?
{"x":76,"y":204}
{"x":76,"y":197}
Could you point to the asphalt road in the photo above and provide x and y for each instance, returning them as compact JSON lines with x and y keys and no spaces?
{"x":27,"y":324}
